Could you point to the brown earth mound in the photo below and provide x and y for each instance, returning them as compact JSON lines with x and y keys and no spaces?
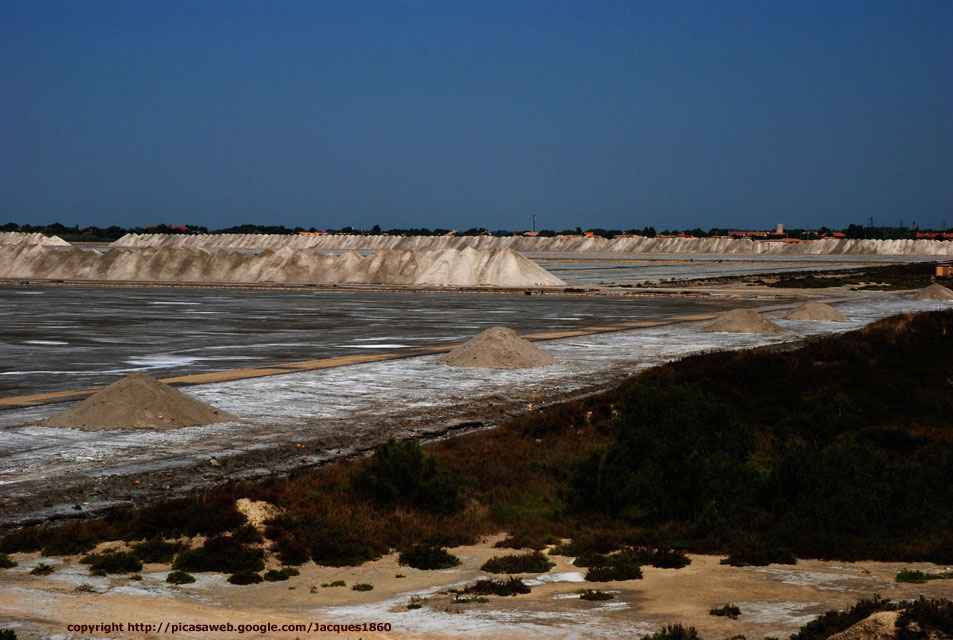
{"x":934,"y":292}
{"x":742,"y":321}
{"x":498,"y":348}
{"x":816,"y":311}
{"x":877,"y":626}
{"x":138,"y":402}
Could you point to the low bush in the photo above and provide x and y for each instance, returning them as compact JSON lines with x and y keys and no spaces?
{"x":595,"y":596}
{"x":244,"y":577}
{"x":534,"y":562}
{"x":336,"y":583}
{"x":362,"y":586}
{"x":520,"y":542}
{"x":42,"y":569}
{"x":834,"y":621}
{"x":618,"y":566}
{"x":6,"y":562}
{"x":426,"y":557}
{"x":101,"y":564}
{"x":277,"y":575}
{"x":509,"y":587}
{"x":156,"y":550}
{"x":760,"y":558}
{"x":223,"y":554}
{"x":247,"y":534}
{"x":8,"y":634}
{"x":926,"y":619}
{"x":179,"y":577}
{"x":674,"y":632}
{"x":728,"y":611}
{"x":911,"y":575}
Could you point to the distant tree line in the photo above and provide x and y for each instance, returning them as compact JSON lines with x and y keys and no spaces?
{"x":105,"y":234}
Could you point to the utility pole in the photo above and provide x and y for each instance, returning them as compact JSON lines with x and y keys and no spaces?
{"x":534,"y":222}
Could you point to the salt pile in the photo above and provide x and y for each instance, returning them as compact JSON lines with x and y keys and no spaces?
{"x":19,"y":237}
{"x":449,"y":267}
{"x":138,"y":402}
{"x":934,"y":292}
{"x":558,"y":244}
{"x":742,"y":321}
{"x":498,"y":348}
{"x":817,"y":312}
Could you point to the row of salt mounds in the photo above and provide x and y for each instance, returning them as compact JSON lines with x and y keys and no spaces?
{"x":138,"y":402}
{"x":637,"y":244}
{"x":498,"y":348}
{"x":501,"y":268}
{"x":742,"y":321}
{"x":815,"y":311}
{"x":20,"y":238}
{"x":935,"y":291}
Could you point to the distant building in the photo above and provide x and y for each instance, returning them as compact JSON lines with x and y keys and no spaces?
{"x":944,"y":271}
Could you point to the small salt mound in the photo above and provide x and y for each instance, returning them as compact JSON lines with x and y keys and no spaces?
{"x":934,"y":292}
{"x":498,"y":348}
{"x":742,"y":321}
{"x":816,"y":311}
{"x":138,"y":402}
{"x":881,"y":625}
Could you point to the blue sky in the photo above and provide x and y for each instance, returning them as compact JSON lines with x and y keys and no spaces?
{"x":458,"y":114}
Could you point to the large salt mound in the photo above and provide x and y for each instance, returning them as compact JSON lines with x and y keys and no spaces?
{"x":933,"y":292}
{"x":450,"y":267}
{"x":19,"y":237}
{"x":742,"y":321}
{"x":817,"y":312}
{"x":138,"y":402}
{"x":498,"y":348}
{"x":558,"y":244}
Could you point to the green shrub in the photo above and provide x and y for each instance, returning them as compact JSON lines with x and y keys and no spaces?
{"x":101,"y":564}
{"x":223,"y":554}
{"x":22,"y":540}
{"x":8,"y":634}
{"x":337,"y":547}
{"x":911,"y":575}
{"x":400,"y":473}
{"x":362,"y":586}
{"x":247,"y":534}
{"x":509,"y":587}
{"x":926,"y":619}
{"x":674,"y":632}
{"x":414,"y":605}
{"x":534,"y":562}
{"x":6,"y":562}
{"x":421,"y":556}
{"x":595,"y":596}
{"x":244,"y":577}
{"x":834,"y":621}
{"x":520,"y":542}
{"x":179,"y":577}
{"x":728,"y":610}
{"x":136,"y":576}
{"x":276,"y":575}
{"x":336,"y":583}
{"x":760,"y":558}
{"x":42,"y":569}
{"x":618,"y":566}
{"x":68,"y":540}
{"x":156,"y":550}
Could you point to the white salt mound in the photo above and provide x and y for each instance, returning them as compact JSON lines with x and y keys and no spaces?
{"x":742,"y":321}
{"x":934,"y":292}
{"x":138,"y":402}
{"x":498,"y":348}
{"x":817,"y":312}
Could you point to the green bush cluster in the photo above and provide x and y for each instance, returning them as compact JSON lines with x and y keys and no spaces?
{"x":534,"y":562}
{"x":223,"y":554}
{"x":422,"y":556}
{"x":510,"y":587}
{"x":101,"y":564}
{"x":625,"y":565}
{"x":401,"y":473}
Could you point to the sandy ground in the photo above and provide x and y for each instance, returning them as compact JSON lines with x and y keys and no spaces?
{"x":774,"y":600}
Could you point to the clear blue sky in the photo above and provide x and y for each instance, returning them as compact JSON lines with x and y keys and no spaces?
{"x":464,"y":114}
